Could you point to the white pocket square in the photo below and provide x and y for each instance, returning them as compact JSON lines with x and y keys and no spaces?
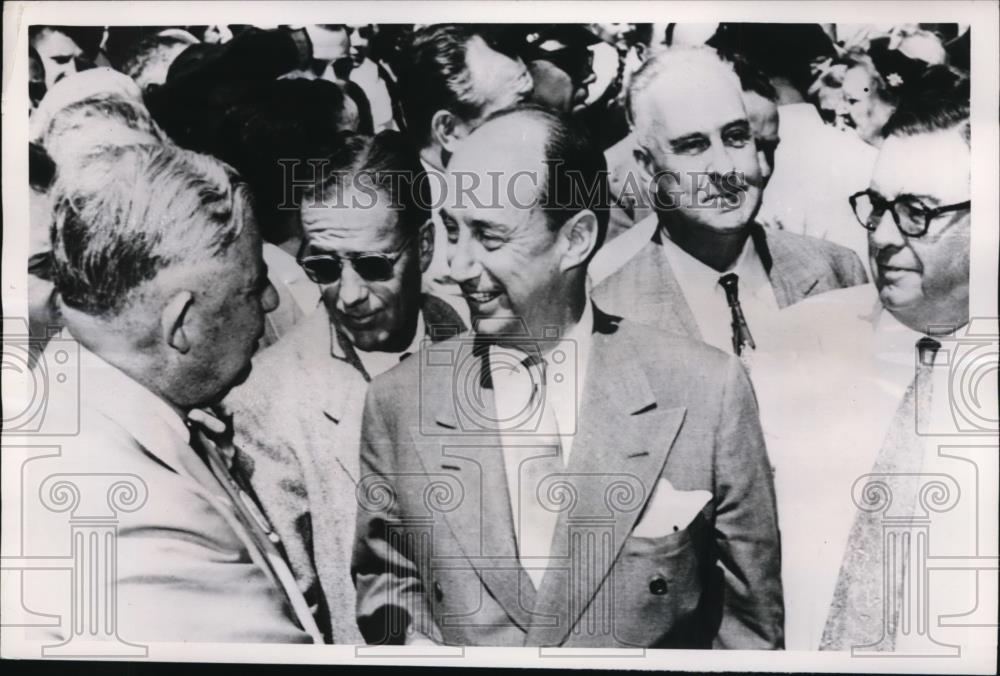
{"x":670,"y":510}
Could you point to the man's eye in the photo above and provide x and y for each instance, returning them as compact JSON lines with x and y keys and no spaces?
{"x":490,"y":242}
{"x":62,"y":60}
{"x":691,"y":148}
{"x":737,"y":139}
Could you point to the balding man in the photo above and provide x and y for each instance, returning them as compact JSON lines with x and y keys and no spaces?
{"x":710,"y":271}
{"x":160,"y":282}
{"x":565,"y":478}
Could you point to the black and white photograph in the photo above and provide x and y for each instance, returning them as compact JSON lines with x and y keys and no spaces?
{"x":478,"y":334}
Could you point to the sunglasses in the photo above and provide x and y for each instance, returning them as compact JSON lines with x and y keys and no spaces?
{"x":327,"y":268}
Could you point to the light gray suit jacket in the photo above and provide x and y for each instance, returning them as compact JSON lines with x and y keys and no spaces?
{"x":646,"y":290}
{"x":298,"y":418}
{"x":187,"y":568}
{"x":436,"y":551}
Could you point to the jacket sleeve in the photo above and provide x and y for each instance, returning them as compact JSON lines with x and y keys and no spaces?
{"x":391,"y":605}
{"x":746,"y":526}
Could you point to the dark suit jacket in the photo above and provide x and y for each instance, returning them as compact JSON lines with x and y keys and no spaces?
{"x":435,"y":550}
{"x":646,"y":290}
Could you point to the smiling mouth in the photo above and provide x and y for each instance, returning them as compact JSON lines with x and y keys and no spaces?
{"x":481,"y":296}
{"x":359,"y":320}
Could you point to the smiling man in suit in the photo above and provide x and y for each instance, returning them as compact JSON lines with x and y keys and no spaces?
{"x":565,"y":478}
{"x":709,"y":270}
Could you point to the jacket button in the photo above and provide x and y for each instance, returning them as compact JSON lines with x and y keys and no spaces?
{"x":658,"y":586}
{"x":438,"y":593}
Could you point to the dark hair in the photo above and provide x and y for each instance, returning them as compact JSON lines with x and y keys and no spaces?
{"x":576,"y":171}
{"x":938,"y":103}
{"x":752,"y":78}
{"x":41,"y":168}
{"x":387,"y":162}
{"x":434,"y":75}
{"x":293,"y":119}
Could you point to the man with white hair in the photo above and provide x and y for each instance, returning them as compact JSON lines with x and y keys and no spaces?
{"x":160,"y":282}
{"x":709,"y":270}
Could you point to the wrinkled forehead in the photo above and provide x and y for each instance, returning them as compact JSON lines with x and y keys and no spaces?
{"x":935,"y":164}
{"x":351,"y":220}
{"x":683,"y":101}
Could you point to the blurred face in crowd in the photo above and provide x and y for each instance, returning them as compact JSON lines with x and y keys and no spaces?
{"x":226,"y":320}
{"x":58,"y":53}
{"x":359,"y":37}
{"x":498,"y":81}
{"x":923,"y":280}
{"x":863,"y":108}
{"x":510,"y":265}
{"x":563,"y":88}
{"x":698,"y":144}
{"x":763,"y":116}
{"x":376,"y":315}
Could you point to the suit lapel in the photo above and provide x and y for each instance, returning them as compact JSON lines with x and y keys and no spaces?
{"x":622,"y":444}
{"x":483,"y":523}
{"x":791,"y":280}
{"x":663,"y":298}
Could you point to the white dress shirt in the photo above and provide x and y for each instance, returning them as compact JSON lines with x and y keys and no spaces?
{"x":532,"y":414}
{"x":828,"y":389}
{"x":707,"y":299}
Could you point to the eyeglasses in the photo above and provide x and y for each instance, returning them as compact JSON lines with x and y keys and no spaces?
{"x":911,"y":217}
{"x":371,"y":266}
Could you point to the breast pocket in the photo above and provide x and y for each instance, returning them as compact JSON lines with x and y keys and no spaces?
{"x":659,"y":583}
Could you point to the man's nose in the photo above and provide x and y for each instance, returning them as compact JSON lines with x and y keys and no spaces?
{"x":462,"y":262}
{"x":352,"y":289}
{"x":885,"y":234}
{"x":269,"y":300}
{"x":720,"y":161}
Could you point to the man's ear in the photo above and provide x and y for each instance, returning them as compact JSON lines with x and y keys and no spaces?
{"x":579,"y":234}
{"x":425,"y":238}
{"x":175,"y":321}
{"x":447,"y":129}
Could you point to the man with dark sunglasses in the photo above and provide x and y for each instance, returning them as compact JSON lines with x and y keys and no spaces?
{"x":367,"y":237}
{"x":863,"y":399}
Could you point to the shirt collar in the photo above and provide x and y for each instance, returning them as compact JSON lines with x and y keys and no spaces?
{"x":576,"y":341}
{"x":144,"y":415}
{"x":690,"y":271}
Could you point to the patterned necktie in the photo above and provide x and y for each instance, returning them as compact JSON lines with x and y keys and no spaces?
{"x":859,"y":614}
{"x":741,"y":332}
{"x":539,"y":464}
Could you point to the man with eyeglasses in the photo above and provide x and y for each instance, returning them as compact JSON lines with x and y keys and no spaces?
{"x":708,"y":270}
{"x":855,"y":395}
{"x":367,"y":237}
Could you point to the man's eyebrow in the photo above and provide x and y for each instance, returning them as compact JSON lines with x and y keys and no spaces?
{"x":736,"y":124}
{"x":687,"y":138}
{"x":445,"y":216}
{"x":484,"y":224}
{"x":918,"y":197}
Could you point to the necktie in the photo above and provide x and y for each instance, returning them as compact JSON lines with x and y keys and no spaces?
{"x":741,"y":332}
{"x":539,"y":463}
{"x":860,"y":614}
{"x":228,"y":464}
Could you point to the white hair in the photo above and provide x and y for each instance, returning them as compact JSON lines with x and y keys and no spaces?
{"x":676,"y":61}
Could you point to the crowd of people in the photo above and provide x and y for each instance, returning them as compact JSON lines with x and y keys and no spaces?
{"x":395,"y":321}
